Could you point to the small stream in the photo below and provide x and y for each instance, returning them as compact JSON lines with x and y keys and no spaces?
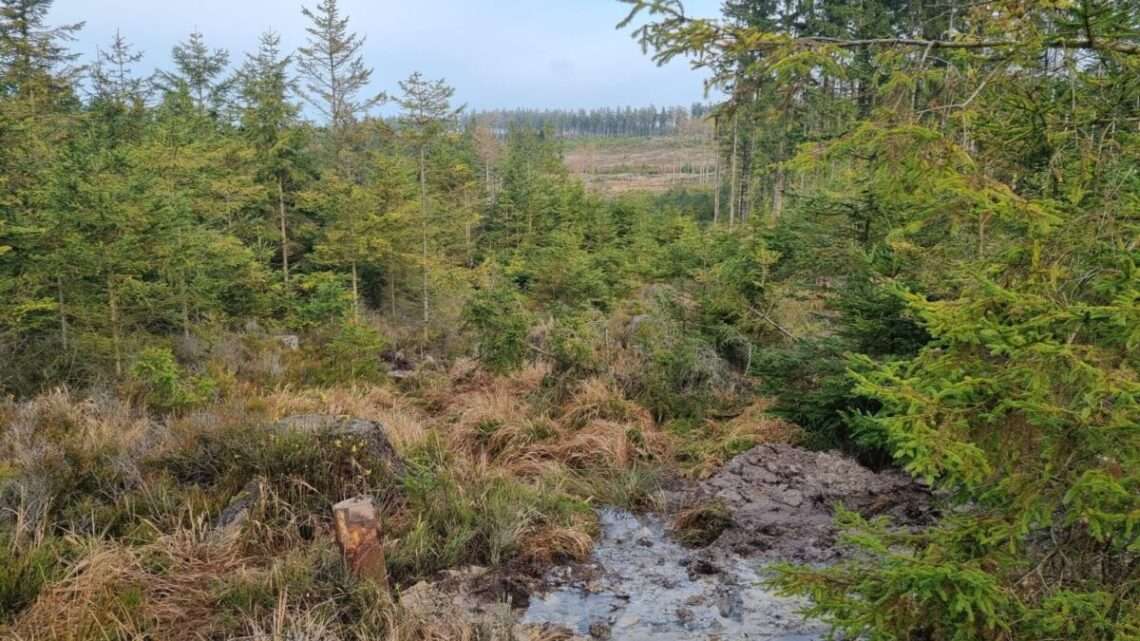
{"x":643,"y":586}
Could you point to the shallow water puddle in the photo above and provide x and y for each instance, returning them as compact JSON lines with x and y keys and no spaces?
{"x":648,"y":587}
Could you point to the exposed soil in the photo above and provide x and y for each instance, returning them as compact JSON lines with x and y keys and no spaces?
{"x":780,"y":500}
{"x":772,"y":503}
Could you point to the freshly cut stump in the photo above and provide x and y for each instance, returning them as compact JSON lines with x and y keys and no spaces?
{"x":358,"y":533}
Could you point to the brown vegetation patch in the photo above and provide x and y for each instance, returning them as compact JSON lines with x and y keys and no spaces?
{"x":163,"y":591}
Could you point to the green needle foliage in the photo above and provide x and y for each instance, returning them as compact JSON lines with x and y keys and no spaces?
{"x":977,"y":163}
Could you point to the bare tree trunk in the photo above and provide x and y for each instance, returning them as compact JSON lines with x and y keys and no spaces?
{"x":116,"y":337}
{"x":392,"y":289}
{"x":734,"y":181}
{"x":62,"y":313}
{"x":716,"y":173}
{"x":982,"y":235}
{"x":778,"y":188}
{"x":284,"y":234}
{"x":355,"y":293}
{"x":185,"y":307}
{"x":424,"y":229}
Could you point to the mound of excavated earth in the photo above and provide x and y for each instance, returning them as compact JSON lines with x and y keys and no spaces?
{"x":781,"y":501}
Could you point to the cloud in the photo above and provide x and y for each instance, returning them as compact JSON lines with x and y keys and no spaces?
{"x":497,"y":53}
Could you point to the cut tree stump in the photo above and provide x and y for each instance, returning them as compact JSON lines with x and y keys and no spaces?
{"x":358,"y":533}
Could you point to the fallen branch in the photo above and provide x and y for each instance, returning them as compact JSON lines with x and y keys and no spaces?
{"x":768,"y":319}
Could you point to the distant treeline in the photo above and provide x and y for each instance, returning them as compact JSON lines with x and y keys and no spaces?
{"x":606,"y":121}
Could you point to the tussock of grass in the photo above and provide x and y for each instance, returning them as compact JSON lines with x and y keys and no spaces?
{"x":701,"y":525}
{"x":162,"y":590}
{"x":702,"y":447}
{"x":598,"y":399}
{"x":404,"y":424}
{"x":457,"y":515}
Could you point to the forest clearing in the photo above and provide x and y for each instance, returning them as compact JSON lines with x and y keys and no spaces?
{"x":293,"y":351}
{"x":644,"y":165}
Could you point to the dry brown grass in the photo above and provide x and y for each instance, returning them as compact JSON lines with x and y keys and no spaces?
{"x":291,"y":623}
{"x":44,"y":437}
{"x":721,"y":440}
{"x":158,"y":591}
{"x":643,"y":164}
{"x":608,"y":444}
{"x":554,"y":544}
{"x":598,"y":428}
{"x":599,"y":399}
{"x":756,"y":423}
{"x":405,"y":425}
{"x":493,"y":428}
{"x":491,"y":423}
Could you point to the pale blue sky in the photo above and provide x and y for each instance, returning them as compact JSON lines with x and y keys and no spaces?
{"x":497,"y":53}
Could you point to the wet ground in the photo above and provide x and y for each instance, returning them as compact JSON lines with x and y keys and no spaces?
{"x":773,"y":503}
{"x":641,"y":585}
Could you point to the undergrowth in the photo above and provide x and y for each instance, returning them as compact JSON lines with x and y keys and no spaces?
{"x":108,"y":525}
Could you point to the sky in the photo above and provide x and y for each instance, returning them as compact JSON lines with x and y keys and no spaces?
{"x":496,"y":53}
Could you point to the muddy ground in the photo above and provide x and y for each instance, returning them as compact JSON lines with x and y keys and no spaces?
{"x":780,"y":501}
{"x":696,"y":570}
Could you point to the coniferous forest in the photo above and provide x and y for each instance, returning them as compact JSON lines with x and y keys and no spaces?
{"x":282,"y":358}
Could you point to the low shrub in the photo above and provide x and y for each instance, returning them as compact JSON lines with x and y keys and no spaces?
{"x":500,"y":322}
{"x":158,"y":381}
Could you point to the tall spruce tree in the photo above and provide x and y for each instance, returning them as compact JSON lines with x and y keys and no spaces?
{"x":201,"y":72}
{"x":427,"y":113}
{"x":38,"y":111}
{"x":269,"y":119}
{"x":35,"y":61}
{"x":334,"y":71}
{"x":112,"y":76}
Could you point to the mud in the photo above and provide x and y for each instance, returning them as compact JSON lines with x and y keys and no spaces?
{"x":641,"y":585}
{"x":781,"y":501}
{"x":773,"y":503}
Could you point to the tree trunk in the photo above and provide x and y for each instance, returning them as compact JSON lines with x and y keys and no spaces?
{"x":355,"y":293}
{"x":185,"y":307}
{"x":63,"y":339}
{"x":357,"y":526}
{"x":284,"y":234}
{"x":424,"y":229}
{"x":392,"y":289}
{"x":716,"y":173}
{"x":116,"y":338}
{"x":733,"y":182}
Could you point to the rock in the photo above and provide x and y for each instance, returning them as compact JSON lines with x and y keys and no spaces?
{"x":229,"y":523}
{"x":291,"y":342}
{"x":459,"y":601}
{"x":781,"y":499}
{"x":702,"y":567}
{"x":793,"y":498}
{"x":347,"y":431}
{"x":544,"y":632}
{"x":729,"y":603}
{"x":358,"y":534}
{"x":419,"y":599}
{"x":600,"y":630}
{"x":684,"y":616}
